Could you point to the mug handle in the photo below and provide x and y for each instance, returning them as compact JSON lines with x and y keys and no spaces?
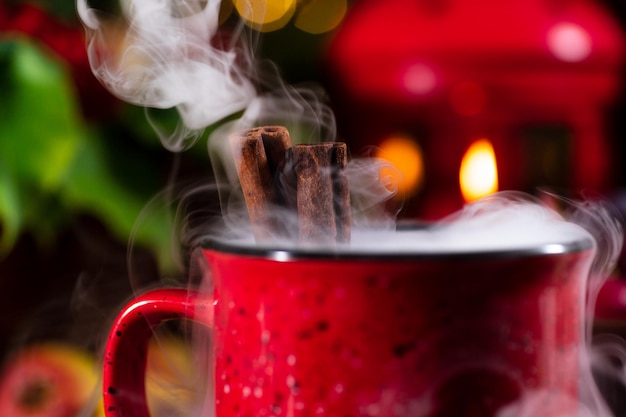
{"x":124,"y":373}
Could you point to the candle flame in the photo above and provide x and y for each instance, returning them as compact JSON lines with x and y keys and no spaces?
{"x":478,"y":176}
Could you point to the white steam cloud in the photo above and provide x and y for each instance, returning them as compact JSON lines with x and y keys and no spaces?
{"x":170,"y":54}
{"x":165,"y":56}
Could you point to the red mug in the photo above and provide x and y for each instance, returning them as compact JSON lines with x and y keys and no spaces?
{"x":330,"y":333}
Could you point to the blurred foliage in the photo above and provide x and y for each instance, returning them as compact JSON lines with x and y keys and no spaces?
{"x":52,"y":163}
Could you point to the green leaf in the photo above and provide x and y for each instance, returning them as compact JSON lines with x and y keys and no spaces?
{"x":41,"y":127}
{"x":52,"y":166}
{"x":40,"y":130}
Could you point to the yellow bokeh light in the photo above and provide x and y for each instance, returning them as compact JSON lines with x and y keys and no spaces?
{"x":405,"y":155}
{"x":320,"y":16}
{"x":266,"y":15}
{"x":478,"y":176}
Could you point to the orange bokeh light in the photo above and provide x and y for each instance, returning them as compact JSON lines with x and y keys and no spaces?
{"x":407,"y":166}
{"x":266,"y":15}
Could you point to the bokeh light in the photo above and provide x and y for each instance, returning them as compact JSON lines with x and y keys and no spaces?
{"x":320,"y":16}
{"x":419,"y":79}
{"x":266,"y":15}
{"x":406,"y":158}
{"x":311,"y":16}
{"x":569,"y":42}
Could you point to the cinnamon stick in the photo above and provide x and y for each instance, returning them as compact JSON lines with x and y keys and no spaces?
{"x":259,"y":154}
{"x":322,"y":195}
{"x":309,"y":181}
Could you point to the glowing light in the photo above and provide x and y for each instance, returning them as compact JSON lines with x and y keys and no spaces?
{"x":478,"y":176}
{"x":569,"y":42}
{"x":319,"y":16}
{"x":405,"y":155}
{"x":266,"y":15}
{"x":468,"y":98}
{"x":419,"y":79}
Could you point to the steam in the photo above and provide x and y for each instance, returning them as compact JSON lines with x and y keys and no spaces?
{"x":600,"y":222}
{"x":166,"y":58}
{"x":166,"y":54}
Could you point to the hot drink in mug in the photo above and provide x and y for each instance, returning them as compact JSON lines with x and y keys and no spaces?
{"x":439,"y":328}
